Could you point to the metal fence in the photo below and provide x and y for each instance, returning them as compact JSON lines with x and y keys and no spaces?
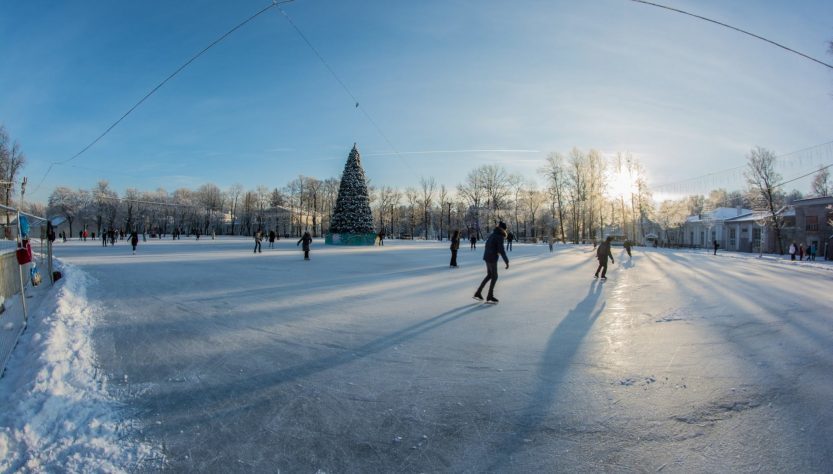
{"x":15,"y":277}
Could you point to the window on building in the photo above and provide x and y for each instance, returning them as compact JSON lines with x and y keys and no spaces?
{"x":812,"y":223}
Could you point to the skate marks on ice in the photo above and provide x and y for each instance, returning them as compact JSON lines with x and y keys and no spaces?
{"x":276,"y":402}
{"x":561,"y":348}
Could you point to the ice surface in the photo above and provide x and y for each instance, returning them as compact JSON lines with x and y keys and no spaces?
{"x":377,"y":359}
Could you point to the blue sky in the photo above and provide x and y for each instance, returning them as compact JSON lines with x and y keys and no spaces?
{"x":686,"y":96}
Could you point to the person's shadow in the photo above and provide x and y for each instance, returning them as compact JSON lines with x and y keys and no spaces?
{"x":555,"y":362}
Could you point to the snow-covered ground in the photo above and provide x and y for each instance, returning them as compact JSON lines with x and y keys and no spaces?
{"x":202,"y":356}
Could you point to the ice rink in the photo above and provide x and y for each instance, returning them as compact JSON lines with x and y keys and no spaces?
{"x":377,"y":359}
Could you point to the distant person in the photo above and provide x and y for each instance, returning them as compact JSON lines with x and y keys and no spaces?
{"x":381,"y":237}
{"x":271,"y":239}
{"x":627,"y":246}
{"x":306,"y":239}
{"x":493,"y":250}
{"x":551,"y":242}
{"x":50,"y":232}
{"x":509,"y":238}
{"x":104,"y":238}
{"x":134,"y":240}
{"x":455,"y":246}
{"x":813,"y":250}
{"x":603,"y":253}
{"x":801,"y":252}
{"x":716,"y":246}
{"x":258,"y":238}
{"x":473,"y":241}
{"x":793,"y":249}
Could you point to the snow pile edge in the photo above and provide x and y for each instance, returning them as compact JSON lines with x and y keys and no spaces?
{"x":57,"y":414}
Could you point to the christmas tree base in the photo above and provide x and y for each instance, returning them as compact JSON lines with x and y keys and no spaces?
{"x":350,"y":239}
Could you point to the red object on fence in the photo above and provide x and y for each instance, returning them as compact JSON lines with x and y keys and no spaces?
{"x":24,"y":253}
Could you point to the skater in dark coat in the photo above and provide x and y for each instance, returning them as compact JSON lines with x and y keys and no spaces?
{"x":473,"y":241}
{"x":306,"y":239}
{"x":627,"y":246}
{"x":258,"y":239}
{"x":509,"y":239}
{"x":494,"y":249}
{"x":603,"y":253}
{"x":271,"y":239}
{"x":716,"y":246}
{"x":134,"y":241}
{"x":455,"y":246}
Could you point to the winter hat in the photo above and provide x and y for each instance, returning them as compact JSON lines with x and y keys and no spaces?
{"x":502,"y":225}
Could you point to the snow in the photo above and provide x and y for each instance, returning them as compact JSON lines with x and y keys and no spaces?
{"x":57,"y":415}
{"x":204,"y":356}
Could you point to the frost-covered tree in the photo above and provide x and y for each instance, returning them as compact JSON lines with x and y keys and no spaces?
{"x":352,"y":213}
{"x":763,"y":185}
{"x":821,"y":185}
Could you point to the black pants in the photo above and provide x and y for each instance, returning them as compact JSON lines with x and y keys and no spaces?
{"x":491,"y":278}
{"x":602,"y":267}
{"x":453,"y":257}
{"x":306,"y":254}
{"x":257,"y":246}
{"x":473,"y":245}
{"x":509,"y":245}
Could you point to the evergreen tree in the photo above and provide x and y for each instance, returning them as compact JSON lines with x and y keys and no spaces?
{"x":352,"y":212}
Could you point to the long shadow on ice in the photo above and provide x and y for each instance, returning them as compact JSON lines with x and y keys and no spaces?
{"x":200,"y":404}
{"x":561,"y":348}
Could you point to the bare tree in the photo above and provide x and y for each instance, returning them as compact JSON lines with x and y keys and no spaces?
{"x":496,"y":187}
{"x":66,"y":202}
{"x":412,"y":198}
{"x":763,"y":181}
{"x":428,"y":187}
{"x":473,"y":192}
{"x":233,"y":198}
{"x":557,"y":186}
{"x":821,"y":185}
{"x":445,"y":201}
{"x":11,"y":162}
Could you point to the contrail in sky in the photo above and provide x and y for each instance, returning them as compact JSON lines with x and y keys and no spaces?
{"x":438,"y":152}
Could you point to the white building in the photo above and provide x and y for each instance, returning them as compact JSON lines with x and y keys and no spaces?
{"x":703,"y":229}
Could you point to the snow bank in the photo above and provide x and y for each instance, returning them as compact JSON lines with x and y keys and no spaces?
{"x":57,"y":415}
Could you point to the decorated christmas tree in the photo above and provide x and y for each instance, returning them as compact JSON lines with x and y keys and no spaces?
{"x":352,"y":221}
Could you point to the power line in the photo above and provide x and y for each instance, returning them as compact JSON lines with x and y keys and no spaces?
{"x":158,"y":86}
{"x":717,"y":173}
{"x":344,"y":86}
{"x":734,"y":28}
{"x":803,"y":176}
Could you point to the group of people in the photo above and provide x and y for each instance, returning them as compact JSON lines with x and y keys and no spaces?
{"x":810,"y":251}
{"x":305,"y":239}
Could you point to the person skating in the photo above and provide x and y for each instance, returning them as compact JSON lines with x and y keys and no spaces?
{"x":473,"y":242}
{"x":793,"y":250}
{"x":258,"y":238}
{"x":134,"y":240}
{"x":801,"y":252}
{"x":306,"y":239}
{"x":603,"y":253}
{"x":627,"y":246}
{"x":455,"y":246}
{"x":716,"y":246}
{"x":509,"y":239}
{"x":494,"y":249}
{"x":271,"y":239}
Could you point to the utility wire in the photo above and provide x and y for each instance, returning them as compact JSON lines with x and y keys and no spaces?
{"x":343,"y":86}
{"x":158,"y":86}
{"x":803,"y":176}
{"x":715,"y":173}
{"x":736,"y":29}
